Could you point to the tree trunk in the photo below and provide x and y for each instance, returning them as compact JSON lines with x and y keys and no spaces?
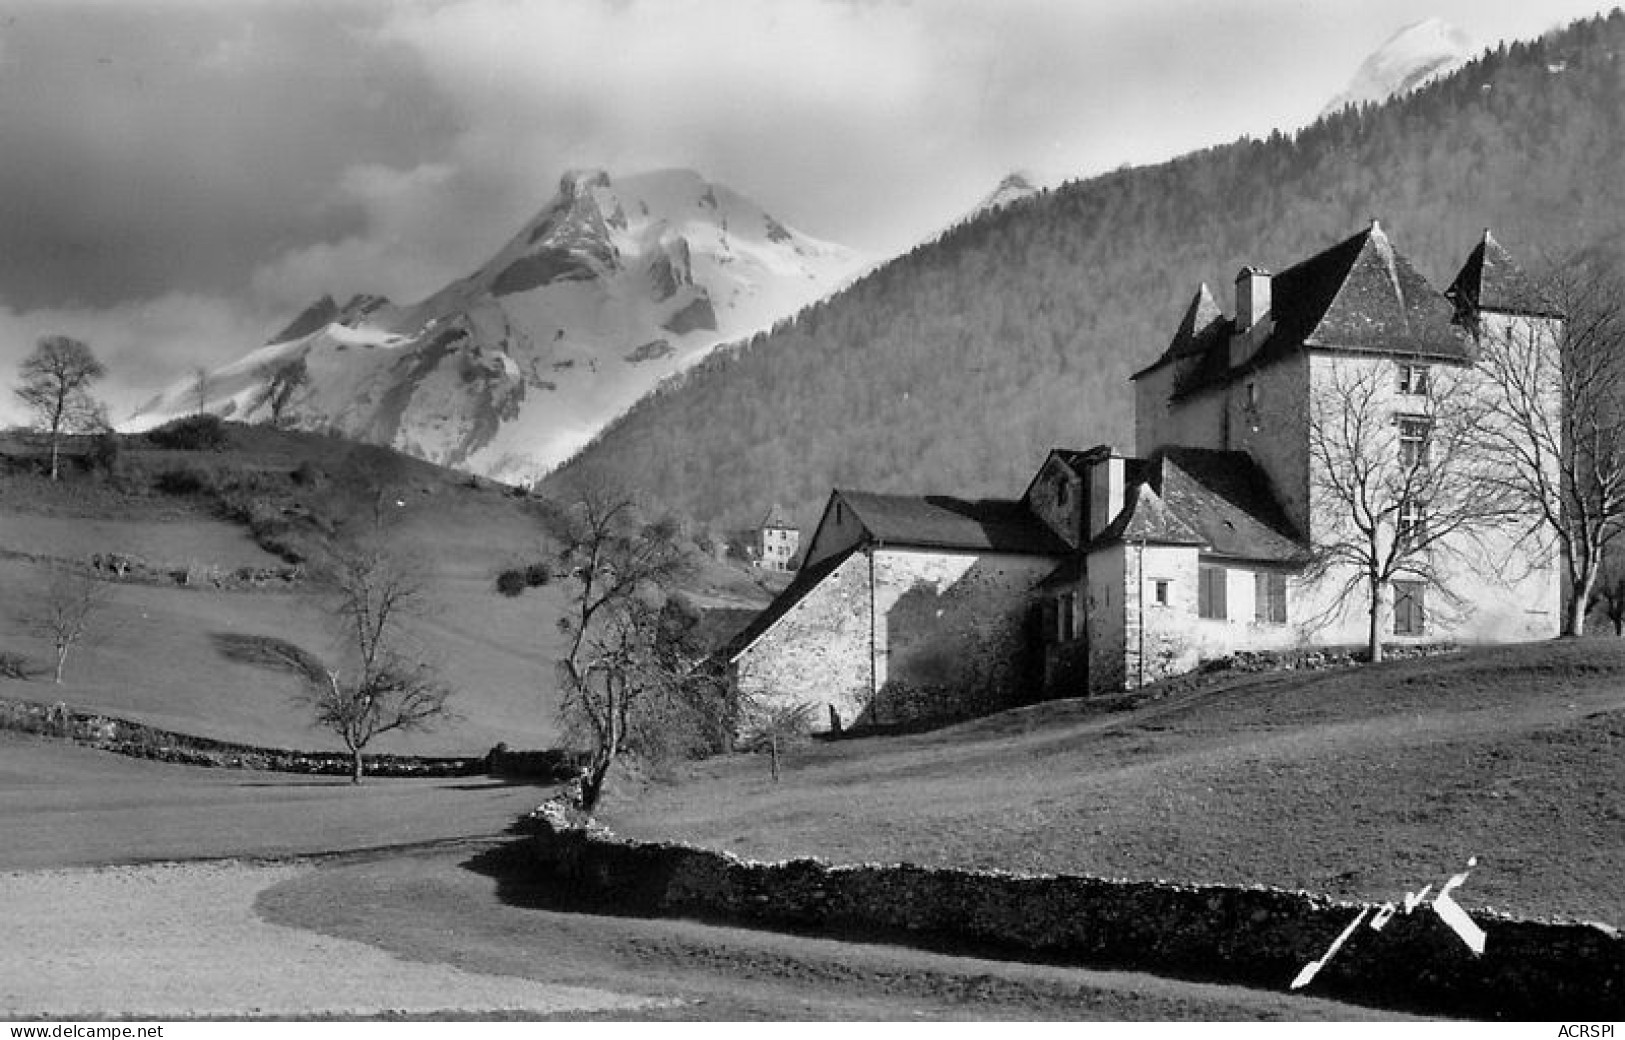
{"x":356,"y":769}
{"x":61,"y":661}
{"x":592,"y":781}
{"x":1574,"y":625}
{"x":773,"y":754}
{"x":1374,"y":636}
{"x":56,"y":443}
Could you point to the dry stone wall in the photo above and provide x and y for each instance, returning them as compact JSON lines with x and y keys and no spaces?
{"x":1248,"y":936}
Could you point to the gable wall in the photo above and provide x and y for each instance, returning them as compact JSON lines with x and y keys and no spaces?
{"x":838,"y":530}
{"x":1044,"y":499}
{"x":818,"y":652}
{"x":950,"y":638}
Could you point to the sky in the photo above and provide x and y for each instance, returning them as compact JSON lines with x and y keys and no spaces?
{"x":181,"y":177}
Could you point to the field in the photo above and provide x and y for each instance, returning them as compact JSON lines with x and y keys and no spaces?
{"x":151,"y":653}
{"x":1360,"y":783}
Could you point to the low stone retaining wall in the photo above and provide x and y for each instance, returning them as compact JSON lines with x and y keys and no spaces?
{"x":1249,"y":936}
{"x":138,"y":740}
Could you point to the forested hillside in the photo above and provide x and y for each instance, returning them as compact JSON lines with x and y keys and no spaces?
{"x":953,"y":368}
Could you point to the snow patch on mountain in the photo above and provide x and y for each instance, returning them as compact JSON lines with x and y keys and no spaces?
{"x":1413,"y":56}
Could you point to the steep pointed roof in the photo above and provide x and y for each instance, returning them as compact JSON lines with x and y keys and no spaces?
{"x":1147,"y":518}
{"x":1360,"y":295}
{"x":1491,"y":281}
{"x":1203,"y":326}
{"x":1227,"y":500}
{"x":776,"y":518}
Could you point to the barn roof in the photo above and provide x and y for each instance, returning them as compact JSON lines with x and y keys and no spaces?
{"x":943,"y":522}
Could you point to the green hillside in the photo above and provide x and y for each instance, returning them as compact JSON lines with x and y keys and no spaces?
{"x":1360,"y":783}
{"x":953,"y":368}
{"x":253,"y":505}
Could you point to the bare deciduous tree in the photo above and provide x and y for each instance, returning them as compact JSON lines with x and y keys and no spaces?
{"x":201,"y":387}
{"x":772,"y":728}
{"x":1397,"y":496}
{"x":1610,"y":597}
{"x":383,"y":684}
{"x":630,"y":678}
{"x":62,"y":613}
{"x":55,"y":386}
{"x":1557,"y":420}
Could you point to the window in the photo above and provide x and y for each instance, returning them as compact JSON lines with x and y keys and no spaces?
{"x":1160,"y":591}
{"x":1210,"y":601}
{"x":1409,"y":612}
{"x":1065,"y":615}
{"x":1413,"y":440}
{"x":1413,"y":379}
{"x":1061,"y":490}
{"x":1252,"y":394}
{"x":1269,"y":598}
{"x":1412,"y":523}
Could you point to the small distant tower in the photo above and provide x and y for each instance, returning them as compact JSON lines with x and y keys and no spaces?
{"x":779,"y":540}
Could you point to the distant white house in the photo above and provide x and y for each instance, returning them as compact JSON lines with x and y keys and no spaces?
{"x":777,"y":540}
{"x":1113,"y":570}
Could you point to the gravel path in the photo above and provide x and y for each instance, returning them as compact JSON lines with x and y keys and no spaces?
{"x":179,"y":940}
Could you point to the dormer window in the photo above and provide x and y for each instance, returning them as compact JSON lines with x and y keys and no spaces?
{"x":1413,"y":379}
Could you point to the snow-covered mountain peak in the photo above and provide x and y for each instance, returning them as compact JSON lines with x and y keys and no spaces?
{"x":1417,"y":53}
{"x":613,"y":285}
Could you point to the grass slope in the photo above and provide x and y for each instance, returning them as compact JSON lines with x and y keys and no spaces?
{"x":62,"y":805}
{"x":1357,"y":783}
{"x":150,"y":655}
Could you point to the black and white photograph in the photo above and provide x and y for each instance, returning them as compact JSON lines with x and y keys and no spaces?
{"x":777,"y":511}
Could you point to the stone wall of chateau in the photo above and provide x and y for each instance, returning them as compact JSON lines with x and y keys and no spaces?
{"x":936,"y":635}
{"x":1196,"y":421}
{"x":1493,"y":586}
{"x":1255,"y":936}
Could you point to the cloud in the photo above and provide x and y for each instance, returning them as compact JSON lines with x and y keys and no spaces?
{"x":153,"y":148}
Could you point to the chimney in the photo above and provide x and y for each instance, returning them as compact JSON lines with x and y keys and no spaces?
{"x":1106,"y":478}
{"x":1252,"y":297}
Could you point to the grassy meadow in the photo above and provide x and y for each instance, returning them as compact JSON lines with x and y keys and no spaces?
{"x":1362,"y":783}
{"x":150,"y":654}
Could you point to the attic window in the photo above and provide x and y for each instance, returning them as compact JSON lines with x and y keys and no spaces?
{"x":1413,"y":379}
{"x":1160,"y":591}
{"x":1252,"y":393}
{"x":1061,"y":490}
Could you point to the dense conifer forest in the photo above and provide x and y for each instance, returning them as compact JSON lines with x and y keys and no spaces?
{"x":955,"y":367}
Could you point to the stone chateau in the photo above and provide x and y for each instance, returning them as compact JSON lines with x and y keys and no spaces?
{"x":1219,"y":533}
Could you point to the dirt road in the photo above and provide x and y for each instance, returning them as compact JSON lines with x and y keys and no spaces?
{"x":445,"y":934}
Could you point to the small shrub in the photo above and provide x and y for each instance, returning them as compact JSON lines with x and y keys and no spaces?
{"x":306,"y":474}
{"x":200,"y":432}
{"x":511,"y":582}
{"x":184,"y":480}
{"x":103,"y":456}
{"x":515,"y":580}
{"x":16,"y":666}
